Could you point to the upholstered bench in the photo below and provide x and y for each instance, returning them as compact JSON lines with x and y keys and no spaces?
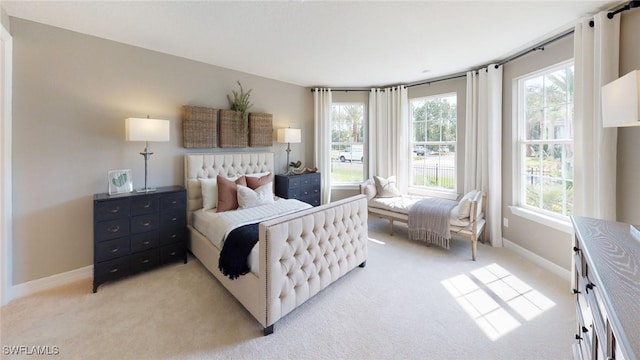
{"x":466,"y":220}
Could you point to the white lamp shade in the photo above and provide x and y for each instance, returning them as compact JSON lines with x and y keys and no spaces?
{"x":289,"y":135}
{"x":140,"y":129}
{"x":621,"y":101}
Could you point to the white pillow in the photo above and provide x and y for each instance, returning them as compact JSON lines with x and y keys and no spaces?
{"x":248,"y":198}
{"x":209,"y":188}
{"x":465,"y":204}
{"x":386,"y":187}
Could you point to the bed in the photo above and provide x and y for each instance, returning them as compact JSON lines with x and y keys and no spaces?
{"x":298,"y":254}
{"x":466,"y":219}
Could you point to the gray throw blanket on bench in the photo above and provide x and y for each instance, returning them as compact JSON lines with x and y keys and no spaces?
{"x":429,"y":221}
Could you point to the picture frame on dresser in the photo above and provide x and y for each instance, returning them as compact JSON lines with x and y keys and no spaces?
{"x":119,"y":181}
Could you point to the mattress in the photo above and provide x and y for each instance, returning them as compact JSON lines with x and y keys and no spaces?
{"x":402,"y":204}
{"x":216,"y":226}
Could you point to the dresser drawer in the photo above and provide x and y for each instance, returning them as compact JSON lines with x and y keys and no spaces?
{"x":172,"y":252}
{"x":144,"y":260}
{"x":311,"y":199}
{"x":173,"y":218}
{"x":311,"y":179}
{"x":168,"y":236}
{"x":143,"y":223}
{"x":111,"y":269}
{"x":106,"y":230}
{"x":144,"y":205}
{"x":144,"y":241}
{"x":111,"y":209}
{"x":111,"y":249}
{"x":177,"y":200}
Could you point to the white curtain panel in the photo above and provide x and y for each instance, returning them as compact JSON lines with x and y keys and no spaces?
{"x":322,"y":143}
{"x":596,"y":51}
{"x":389,"y":152}
{"x":483,"y":143}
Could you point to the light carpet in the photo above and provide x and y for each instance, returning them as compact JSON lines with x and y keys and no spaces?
{"x":410,"y":302}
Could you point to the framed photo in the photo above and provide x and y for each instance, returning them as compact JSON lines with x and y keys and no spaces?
{"x":120,"y":181}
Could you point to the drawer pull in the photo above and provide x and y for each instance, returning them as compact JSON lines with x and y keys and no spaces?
{"x":113,"y":271}
{"x":145,"y":261}
{"x":115,"y":250}
{"x":114,"y":210}
{"x":173,"y":236}
{"x":147,"y":205}
{"x":113,"y":229}
{"x":145,"y":243}
{"x":589,"y":286}
{"x":173,"y":253}
{"x":174,"y":219}
{"x":174,"y":202}
{"x":146,"y":223}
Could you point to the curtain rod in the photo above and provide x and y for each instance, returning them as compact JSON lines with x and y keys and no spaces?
{"x":630,"y":5}
{"x":539,"y":47}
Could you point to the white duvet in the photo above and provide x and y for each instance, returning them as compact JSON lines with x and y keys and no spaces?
{"x":216,"y":226}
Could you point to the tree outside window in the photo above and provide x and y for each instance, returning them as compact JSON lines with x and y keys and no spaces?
{"x":546,"y":140}
{"x":433,"y":142}
{"x":347,"y":143}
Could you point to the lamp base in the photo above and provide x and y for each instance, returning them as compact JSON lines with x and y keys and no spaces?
{"x":146,"y":190}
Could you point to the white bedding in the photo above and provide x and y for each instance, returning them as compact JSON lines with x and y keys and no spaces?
{"x":217,"y":225}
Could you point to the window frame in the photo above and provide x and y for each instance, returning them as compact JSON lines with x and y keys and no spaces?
{"x":520,"y":207}
{"x":441,"y":192}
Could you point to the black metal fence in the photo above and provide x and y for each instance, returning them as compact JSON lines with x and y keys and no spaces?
{"x":434,"y":175}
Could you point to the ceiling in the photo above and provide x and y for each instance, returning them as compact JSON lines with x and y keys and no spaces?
{"x":322,"y":43}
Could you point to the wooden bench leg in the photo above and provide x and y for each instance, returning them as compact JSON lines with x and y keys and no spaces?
{"x":474,"y":248}
{"x":391,"y":227}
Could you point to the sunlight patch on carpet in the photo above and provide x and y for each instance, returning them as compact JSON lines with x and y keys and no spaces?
{"x":493,"y":298}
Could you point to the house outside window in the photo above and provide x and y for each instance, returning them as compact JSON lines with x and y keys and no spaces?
{"x":433,"y":142}
{"x":545,"y":141}
{"x":348,"y":154}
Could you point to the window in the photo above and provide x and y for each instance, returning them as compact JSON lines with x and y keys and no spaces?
{"x":433,"y":142}
{"x":347,"y":143}
{"x":545,"y":141}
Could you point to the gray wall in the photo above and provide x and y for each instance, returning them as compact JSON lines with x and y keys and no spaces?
{"x":549,"y":243}
{"x":628,"y":188}
{"x":4,"y":19}
{"x":71,"y":94}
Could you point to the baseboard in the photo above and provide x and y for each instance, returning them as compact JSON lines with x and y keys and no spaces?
{"x":537,"y":259}
{"x":50,"y":282}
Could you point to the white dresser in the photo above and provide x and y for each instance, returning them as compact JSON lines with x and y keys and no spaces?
{"x":607,"y":288}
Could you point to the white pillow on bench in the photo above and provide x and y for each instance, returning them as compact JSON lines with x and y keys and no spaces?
{"x":386,"y":187}
{"x":464,"y":206}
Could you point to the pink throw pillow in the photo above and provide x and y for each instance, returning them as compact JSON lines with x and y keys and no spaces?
{"x":228,"y":192}
{"x":255,"y":182}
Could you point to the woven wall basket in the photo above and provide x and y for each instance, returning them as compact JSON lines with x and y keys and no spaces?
{"x":232,"y":133}
{"x":199,"y":127}
{"x":260,"y":129}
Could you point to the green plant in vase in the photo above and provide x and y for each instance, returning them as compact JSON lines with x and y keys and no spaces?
{"x":241,"y":104}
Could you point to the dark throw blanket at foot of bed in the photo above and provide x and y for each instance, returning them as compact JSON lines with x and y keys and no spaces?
{"x":236,"y":250}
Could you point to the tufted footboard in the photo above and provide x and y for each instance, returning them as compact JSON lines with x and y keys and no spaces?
{"x":304,"y":253}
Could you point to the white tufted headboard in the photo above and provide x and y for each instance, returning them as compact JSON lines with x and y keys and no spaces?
{"x":211,"y":165}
